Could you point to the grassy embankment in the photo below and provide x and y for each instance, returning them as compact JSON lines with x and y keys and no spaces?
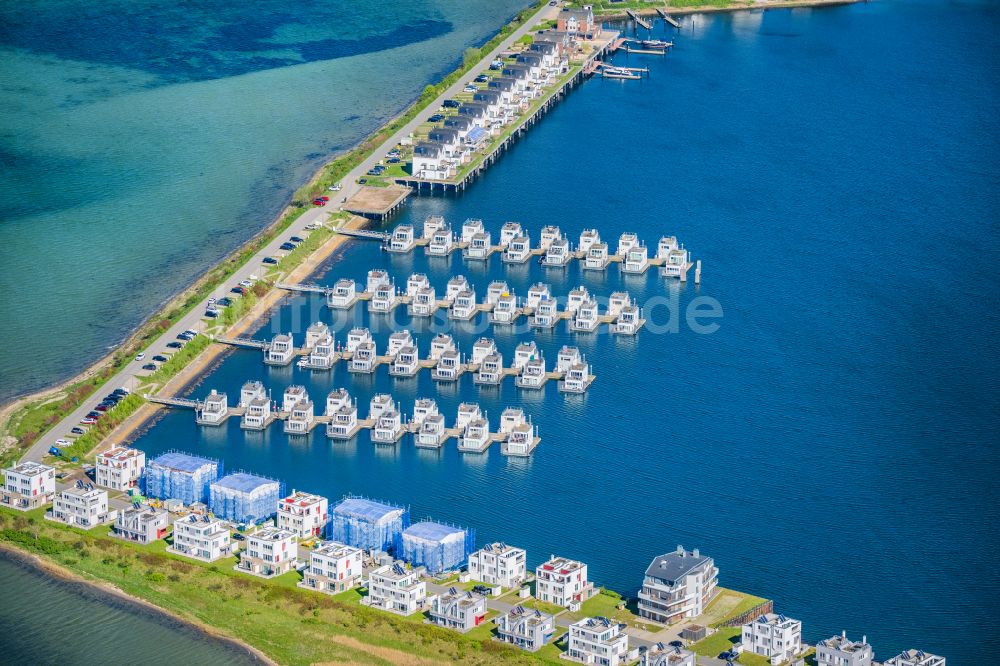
{"x":37,"y":415}
{"x":291,"y":625}
{"x":606,"y":7}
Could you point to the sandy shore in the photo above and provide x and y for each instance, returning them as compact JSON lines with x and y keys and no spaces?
{"x":30,"y":560}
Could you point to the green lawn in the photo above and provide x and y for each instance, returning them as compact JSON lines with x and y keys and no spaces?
{"x":726,"y":605}
{"x":723,"y":640}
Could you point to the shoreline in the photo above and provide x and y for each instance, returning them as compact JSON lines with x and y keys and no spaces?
{"x":114,"y":594}
{"x":759,"y":4}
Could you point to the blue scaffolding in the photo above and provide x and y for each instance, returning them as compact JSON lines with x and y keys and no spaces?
{"x":182,"y":476}
{"x":368,"y":524}
{"x":245,"y":498}
{"x":436,"y":546}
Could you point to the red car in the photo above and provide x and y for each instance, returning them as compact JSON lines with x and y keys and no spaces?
{"x":324,"y":198}
{"x":318,"y":202}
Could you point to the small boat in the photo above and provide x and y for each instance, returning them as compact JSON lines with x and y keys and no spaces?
{"x":655,"y":44}
{"x":619,"y":73}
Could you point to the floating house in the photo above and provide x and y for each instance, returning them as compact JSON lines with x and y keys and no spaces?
{"x":384,"y":298}
{"x":557,"y":254}
{"x":441,"y":343}
{"x":533,"y":373}
{"x":480,"y":246}
{"x":368,"y":524}
{"x":357,"y":336}
{"x":141,"y":524}
{"x":524,"y":352}
{"x":577,"y":379}
{"x":423,"y":303}
{"x":467,"y":412}
{"x":403,"y":239}
{"x":537,"y":293}
{"x":470,"y":228}
{"x":214,"y":410}
{"x":406,"y":362}
{"x":482,"y":348}
{"x":376,"y":278}
{"x":422,"y":408}
{"x":626,"y":242}
{"x":587,"y":317}
{"x":636,"y":260}
{"x":509,"y":231}
{"x":300,"y":419}
{"x":511,"y":417}
{"x":258,"y":414}
{"x":397,"y":341}
{"x":435,"y":546}
{"x":597,"y":258}
{"x":269,"y":552}
{"x":28,"y":486}
{"x":527,"y":629}
{"x":577,"y":297}
{"x":628,"y":321}
{"x":342,"y":411}
{"x":322,"y":356}
{"x":432,"y":224}
{"x":315,"y":333}
{"x":245,"y":498}
{"x":521,"y":441}
{"x":388,"y":424}
{"x":449,"y":367}
{"x":588,"y":238}
{"x":343,"y":295}
{"x":518,"y":250}
{"x":206,"y":539}
{"x":562,"y":582}
{"x":457,"y":609}
{"x":617,"y":301}
{"x":490,"y":370}
{"x":415,"y":283}
{"x":598,"y":640}
{"x":550,"y":234}
{"x":431,"y":432}
{"x":181,"y":476}
{"x":476,"y":436}
{"x":333,"y":568}
{"x":546,"y":314}
{"x":495,"y":290}
{"x":395,"y":589}
{"x":119,"y":468}
{"x":568,"y":356}
{"x":677,"y":585}
{"x":250,"y":391}
{"x":305,"y":514}
{"x":293,"y":395}
{"x":455,"y":286}
{"x":364,"y":358}
{"x":506,"y":310}
{"x":498,"y":564}
{"x":280,"y":350}
{"x":442,"y":242}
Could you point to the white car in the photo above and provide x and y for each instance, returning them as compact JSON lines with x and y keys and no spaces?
{"x":335,"y":187}
{"x":63,"y":442}
{"x":140,"y":356}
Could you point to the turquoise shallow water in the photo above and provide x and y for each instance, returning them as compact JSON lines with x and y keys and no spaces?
{"x":142,"y":141}
{"x":832,"y":445}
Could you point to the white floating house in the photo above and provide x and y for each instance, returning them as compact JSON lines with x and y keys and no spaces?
{"x":577,"y":297}
{"x":676,"y":263}
{"x":397,"y":341}
{"x":666,"y":245}
{"x":521,"y":441}
{"x":213,"y":410}
{"x":322,"y":356}
{"x":301,"y":418}
{"x":384,"y":298}
{"x":636,"y":260}
{"x":456,"y":285}
{"x":476,"y":436}
{"x":508,"y":232}
{"x":406,"y":362}
{"x":588,"y":238}
{"x":587,"y":317}
{"x":511,"y":416}
{"x":533,"y":374}
{"x":293,"y":395}
{"x":380,"y":403}
{"x":376,"y":278}
{"x":343,"y":413}
{"x":403,"y":239}
{"x":422,"y":408}
{"x":315,"y":333}
{"x":424,"y":303}
{"x":467,"y":412}
{"x":625,"y":243}
{"x":617,"y":301}
{"x":506,"y":310}
{"x":577,"y":378}
{"x":388,"y":425}
{"x":343,"y":295}
{"x":490,"y":370}
{"x":470,"y":228}
{"x":480,"y":246}
{"x":550,"y":234}
{"x":464,"y":306}
{"x":518,"y":250}
{"x":441,"y":343}
{"x":432,"y":224}
{"x":628,"y":321}
{"x":597,"y":258}
{"x":280,"y":350}
{"x":355,"y":337}
{"x":415,"y":283}
{"x":442,"y":242}
{"x":258,"y":414}
{"x":482,"y":348}
{"x":496,"y":289}
{"x":546,"y":314}
{"x":537,"y":293}
{"x":449,"y":367}
{"x":364,"y":358}
{"x":250,"y":391}
{"x":431,"y":433}
{"x":557,"y":254}
{"x":567,"y":357}
{"x":523,"y":353}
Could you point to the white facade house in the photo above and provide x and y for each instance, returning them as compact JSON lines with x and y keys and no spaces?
{"x":527,"y":629}
{"x":206,"y":539}
{"x":304,"y":514}
{"x":82,"y":506}
{"x":915,"y":658}
{"x":431,"y":162}
{"x":395,"y":589}
{"x":28,"y":486}
{"x":269,"y":552}
{"x":119,"y":468}
{"x":839,"y":651}
{"x":333,"y":568}
{"x":597,"y":640}
{"x":141,"y":524}
{"x":667,"y":655}
{"x":457,"y":609}
{"x":498,"y":564}
{"x":677,"y":585}
{"x":563,"y":582}
{"x":773,"y":636}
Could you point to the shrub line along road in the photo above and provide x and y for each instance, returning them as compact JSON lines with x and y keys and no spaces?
{"x":129,"y":376}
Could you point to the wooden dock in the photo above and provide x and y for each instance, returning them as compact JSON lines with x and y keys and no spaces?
{"x":638,"y":19}
{"x":376,"y":203}
{"x":668,"y":18}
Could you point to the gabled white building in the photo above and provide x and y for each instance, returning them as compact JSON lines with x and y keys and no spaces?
{"x":304,"y":514}
{"x":563,"y":582}
{"x":774,"y":636}
{"x":597,"y":640}
{"x":28,"y":486}
{"x":431,"y":162}
{"x":498,"y":564}
{"x":333,"y":568}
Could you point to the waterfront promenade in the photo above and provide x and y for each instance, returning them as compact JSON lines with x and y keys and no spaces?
{"x":129,"y":377}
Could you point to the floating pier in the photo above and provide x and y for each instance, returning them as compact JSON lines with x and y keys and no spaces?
{"x":638,"y":19}
{"x":668,"y":18}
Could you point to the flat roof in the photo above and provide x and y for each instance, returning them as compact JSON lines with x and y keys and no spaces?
{"x":432,"y":531}
{"x":183,"y":462}
{"x":365,"y":508}
{"x":243,"y":482}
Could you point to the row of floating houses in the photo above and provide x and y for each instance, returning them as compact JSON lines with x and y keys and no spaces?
{"x":676,"y":587}
{"x":461,"y":303}
{"x":554,"y":249}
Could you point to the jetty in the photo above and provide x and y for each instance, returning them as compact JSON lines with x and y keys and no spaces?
{"x":376,"y":203}
{"x":668,"y":18}
{"x":638,"y":19}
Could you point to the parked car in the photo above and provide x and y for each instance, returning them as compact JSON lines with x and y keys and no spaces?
{"x":335,"y":187}
{"x":238,"y":290}
{"x":482,"y":78}
{"x":362,"y":181}
{"x":102,"y":407}
{"x":77,"y":431}
{"x":437,"y":117}
{"x":211,"y":314}
{"x":140,"y":356}
{"x":295,"y":239}
{"x":88,"y":420}
{"x":149,"y":366}
{"x":451,"y":104}
{"x":175,"y":345}
{"x":160,"y":358}
{"x":270,"y":260}
{"x":470,"y":88}
{"x":318,"y":202}
{"x":393,"y":160}
{"x":225,"y":302}
{"x":288,"y":247}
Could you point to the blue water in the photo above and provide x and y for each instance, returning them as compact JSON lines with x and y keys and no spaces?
{"x":142,"y":141}
{"x":833,"y":443}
